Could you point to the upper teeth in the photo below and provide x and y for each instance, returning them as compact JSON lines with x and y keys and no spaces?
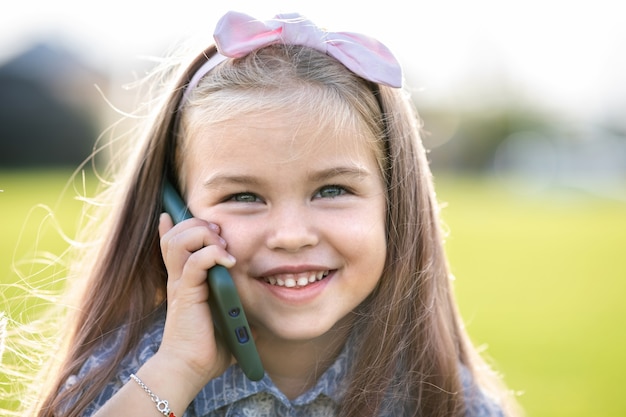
{"x":295,"y":280}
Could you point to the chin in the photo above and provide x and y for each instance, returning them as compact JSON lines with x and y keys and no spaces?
{"x":301,"y":331}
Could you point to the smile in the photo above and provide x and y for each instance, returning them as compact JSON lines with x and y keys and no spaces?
{"x":296,"y":280}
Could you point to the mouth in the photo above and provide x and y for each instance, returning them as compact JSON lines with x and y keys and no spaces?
{"x":299,"y":280}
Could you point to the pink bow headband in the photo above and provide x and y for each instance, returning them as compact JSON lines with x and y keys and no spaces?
{"x":238,"y":34}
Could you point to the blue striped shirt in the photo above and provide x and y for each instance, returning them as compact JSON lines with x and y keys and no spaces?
{"x":234,"y":395}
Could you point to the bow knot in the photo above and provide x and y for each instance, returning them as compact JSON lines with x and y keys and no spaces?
{"x":238,"y":34}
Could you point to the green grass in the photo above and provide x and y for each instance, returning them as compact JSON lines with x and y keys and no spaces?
{"x":39,"y":212}
{"x":539,"y":280}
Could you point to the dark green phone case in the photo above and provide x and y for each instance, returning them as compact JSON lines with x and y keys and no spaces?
{"x":228,"y":315}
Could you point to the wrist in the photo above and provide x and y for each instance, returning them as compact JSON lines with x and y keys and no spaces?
{"x":195,"y":374}
{"x":173,"y":385}
{"x":194,"y":369}
{"x":162,"y":406}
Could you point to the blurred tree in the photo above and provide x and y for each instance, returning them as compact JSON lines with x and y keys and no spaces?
{"x":45,"y":116}
{"x":467,"y":140}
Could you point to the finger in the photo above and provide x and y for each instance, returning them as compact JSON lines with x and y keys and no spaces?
{"x":191,"y":248}
{"x":191,"y":282}
{"x":165,"y":224}
{"x":191,"y":235}
{"x":178,"y":243}
{"x":199,"y":262}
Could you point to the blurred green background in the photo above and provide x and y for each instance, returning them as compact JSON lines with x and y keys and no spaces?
{"x":539,"y":279}
{"x":524,"y":109}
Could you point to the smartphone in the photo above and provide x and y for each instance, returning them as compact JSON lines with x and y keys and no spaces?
{"x":226,"y":309}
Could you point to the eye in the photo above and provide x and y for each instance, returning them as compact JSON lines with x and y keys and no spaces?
{"x":244,"y":198}
{"x":331,"y":191}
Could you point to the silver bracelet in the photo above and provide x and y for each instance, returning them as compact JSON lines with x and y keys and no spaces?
{"x":162,"y":405}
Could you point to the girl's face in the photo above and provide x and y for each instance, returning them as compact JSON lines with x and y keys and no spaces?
{"x":302,"y":209}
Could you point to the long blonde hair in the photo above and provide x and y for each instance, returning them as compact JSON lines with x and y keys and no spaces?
{"x":413,"y":338}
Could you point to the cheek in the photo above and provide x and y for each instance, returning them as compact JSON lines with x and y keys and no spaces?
{"x":371,"y":248}
{"x":363,"y":241}
{"x":243,"y":235}
{"x":376,"y":236}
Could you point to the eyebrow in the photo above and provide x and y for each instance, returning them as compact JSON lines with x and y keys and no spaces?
{"x":354,"y":172}
{"x":218,"y":180}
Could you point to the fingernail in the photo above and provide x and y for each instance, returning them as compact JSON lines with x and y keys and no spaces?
{"x":229,"y":261}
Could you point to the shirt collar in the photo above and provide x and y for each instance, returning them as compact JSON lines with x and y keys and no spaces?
{"x":233,"y":386}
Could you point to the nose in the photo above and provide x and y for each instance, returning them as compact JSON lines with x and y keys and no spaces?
{"x":291,"y":229}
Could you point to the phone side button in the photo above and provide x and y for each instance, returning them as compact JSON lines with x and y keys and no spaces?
{"x":242,"y":335}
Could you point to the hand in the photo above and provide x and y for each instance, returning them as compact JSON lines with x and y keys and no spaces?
{"x":189,"y":249}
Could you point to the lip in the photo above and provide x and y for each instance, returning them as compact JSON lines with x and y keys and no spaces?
{"x":296,"y":294}
{"x":293,"y":269}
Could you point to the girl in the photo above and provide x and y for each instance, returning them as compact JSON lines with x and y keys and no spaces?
{"x":299,"y":155}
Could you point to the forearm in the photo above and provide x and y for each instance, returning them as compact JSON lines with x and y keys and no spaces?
{"x":165,"y":379}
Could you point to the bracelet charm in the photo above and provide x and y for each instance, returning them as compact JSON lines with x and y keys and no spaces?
{"x":161,"y":405}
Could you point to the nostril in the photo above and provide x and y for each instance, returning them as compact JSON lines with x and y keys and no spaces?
{"x":292,"y":240}
{"x":291,"y":227}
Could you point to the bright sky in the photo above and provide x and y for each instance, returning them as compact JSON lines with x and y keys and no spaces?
{"x":565,"y":53}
